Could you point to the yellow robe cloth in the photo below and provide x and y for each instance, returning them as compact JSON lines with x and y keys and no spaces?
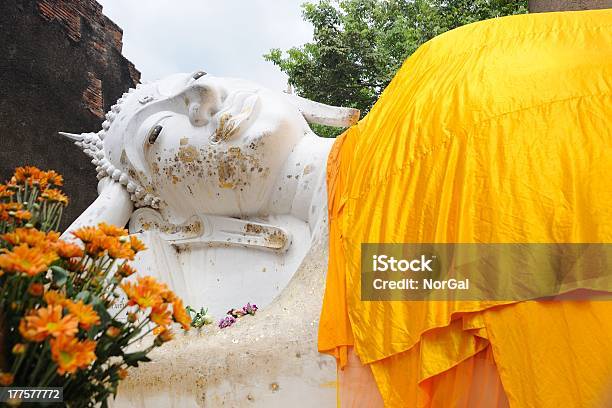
{"x":495,"y":132}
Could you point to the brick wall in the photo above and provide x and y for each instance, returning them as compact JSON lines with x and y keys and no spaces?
{"x":61,"y":69}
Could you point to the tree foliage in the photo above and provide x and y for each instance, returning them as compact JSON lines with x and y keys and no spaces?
{"x":358,"y":45}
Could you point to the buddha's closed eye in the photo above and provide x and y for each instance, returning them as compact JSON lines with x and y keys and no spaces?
{"x":154,"y":133}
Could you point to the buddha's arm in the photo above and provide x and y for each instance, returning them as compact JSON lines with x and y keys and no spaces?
{"x":113,"y":206}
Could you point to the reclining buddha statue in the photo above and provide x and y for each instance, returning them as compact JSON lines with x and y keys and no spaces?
{"x":496,"y":132}
{"x":228,"y":181}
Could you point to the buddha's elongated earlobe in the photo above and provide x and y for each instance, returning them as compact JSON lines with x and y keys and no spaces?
{"x":321,"y":114}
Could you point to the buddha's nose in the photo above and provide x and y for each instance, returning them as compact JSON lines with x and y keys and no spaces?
{"x":197,"y":115}
{"x":203,"y":101}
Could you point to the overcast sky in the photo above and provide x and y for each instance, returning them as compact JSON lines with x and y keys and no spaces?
{"x":222,"y":37}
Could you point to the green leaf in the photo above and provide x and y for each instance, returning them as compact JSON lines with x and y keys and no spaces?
{"x":83,"y":295}
{"x":132,"y":359}
{"x":101,"y":309}
{"x":60,"y":275}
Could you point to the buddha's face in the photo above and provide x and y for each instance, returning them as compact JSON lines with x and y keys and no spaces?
{"x":203,"y":144}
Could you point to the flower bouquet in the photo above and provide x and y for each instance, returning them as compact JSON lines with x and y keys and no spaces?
{"x":68,"y":316}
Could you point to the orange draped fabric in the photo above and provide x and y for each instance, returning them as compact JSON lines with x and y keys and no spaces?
{"x":498,"y":131}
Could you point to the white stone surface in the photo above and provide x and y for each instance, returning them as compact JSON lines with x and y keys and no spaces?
{"x":266,"y":360}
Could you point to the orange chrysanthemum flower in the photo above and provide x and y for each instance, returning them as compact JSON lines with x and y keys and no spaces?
{"x":121,"y":251}
{"x":21,"y":215}
{"x":122,"y":373}
{"x":136,"y":244}
{"x":125,"y":270}
{"x":75,"y":265}
{"x":180,"y":314}
{"x":167,"y":295}
{"x":6,"y":191}
{"x":53,"y":236}
{"x":19,"y":348}
{"x":71,"y":354}
{"x":30,"y":236}
{"x":52,"y":194}
{"x":146,"y":293}
{"x":86,"y":315}
{"x":54,"y":297}
{"x":54,"y":178}
{"x":160,"y":315}
{"x":165,"y":336}
{"x":6,"y":379}
{"x":113,"y":332}
{"x":36,"y":289}
{"x":24,"y":259}
{"x":67,"y":250}
{"x":27,"y":174}
{"x":99,"y":244}
{"x":47,"y":321}
{"x":85,"y":234}
{"x":6,"y":210}
{"x":112,"y":230}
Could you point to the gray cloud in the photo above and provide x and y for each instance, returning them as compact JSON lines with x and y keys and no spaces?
{"x":222,"y":37}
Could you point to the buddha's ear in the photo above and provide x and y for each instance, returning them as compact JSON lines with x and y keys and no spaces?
{"x":321,"y":114}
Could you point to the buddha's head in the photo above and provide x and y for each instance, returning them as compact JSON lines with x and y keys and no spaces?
{"x":195,"y":143}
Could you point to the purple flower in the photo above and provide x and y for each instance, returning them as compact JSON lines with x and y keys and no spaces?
{"x":227,"y":321}
{"x":250,"y":309}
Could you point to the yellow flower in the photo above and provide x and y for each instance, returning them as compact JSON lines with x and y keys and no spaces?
{"x":24,"y":259}
{"x":54,"y":297}
{"x":160,"y":315}
{"x":180,"y":314}
{"x":47,"y":321}
{"x":52,"y":194}
{"x":112,"y":230}
{"x":86,"y":315}
{"x":71,"y":354}
{"x":36,"y":289}
{"x":67,"y":250}
{"x":6,"y":379}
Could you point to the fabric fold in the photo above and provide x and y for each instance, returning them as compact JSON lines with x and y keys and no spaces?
{"x":496,"y":132}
